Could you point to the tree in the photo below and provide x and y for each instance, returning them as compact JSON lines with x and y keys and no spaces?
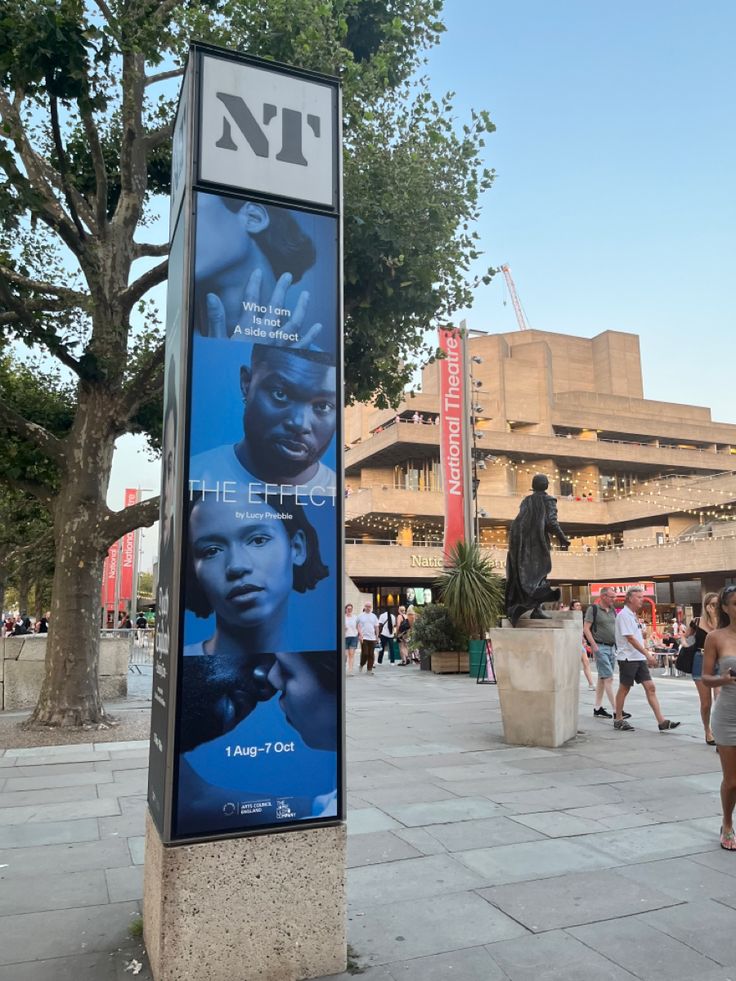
{"x":472,"y":592}
{"x":86,"y":102}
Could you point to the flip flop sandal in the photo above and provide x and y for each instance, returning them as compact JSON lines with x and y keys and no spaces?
{"x":728,"y":841}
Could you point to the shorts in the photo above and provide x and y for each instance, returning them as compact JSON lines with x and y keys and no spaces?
{"x":633,"y":671}
{"x":605,"y":661}
{"x":698,"y":666}
{"x":351,"y":643}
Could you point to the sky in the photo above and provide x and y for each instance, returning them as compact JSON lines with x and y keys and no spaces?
{"x":615,"y":152}
{"x":614,"y":201}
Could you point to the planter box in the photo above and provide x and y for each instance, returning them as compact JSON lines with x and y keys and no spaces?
{"x":450,"y":662}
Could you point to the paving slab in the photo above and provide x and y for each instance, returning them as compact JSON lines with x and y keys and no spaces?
{"x":36,"y":893}
{"x":66,"y":932}
{"x":48,"y":833}
{"x":534,"y":860}
{"x":633,"y":945}
{"x":647,"y":843}
{"x":703,"y":924}
{"x":77,"y":856}
{"x":412,"y":793}
{"x":461,"y":836}
{"x":572,"y":900}
{"x":442,"y":811}
{"x":377,"y":848}
{"x":70,"y":811}
{"x":553,"y":956}
{"x":684,"y":879}
{"x":125,"y":884}
{"x":397,"y":932}
{"x":369,"y":819}
{"x":470,"y":964}
{"x":53,"y":795}
{"x":48,"y":781}
{"x":409,"y":879}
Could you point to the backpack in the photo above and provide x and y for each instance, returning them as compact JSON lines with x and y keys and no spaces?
{"x":404,"y":627}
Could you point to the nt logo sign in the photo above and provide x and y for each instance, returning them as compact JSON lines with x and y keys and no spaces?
{"x":292,"y":128}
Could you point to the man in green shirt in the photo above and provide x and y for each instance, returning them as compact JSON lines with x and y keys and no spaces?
{"x":599,"y":630}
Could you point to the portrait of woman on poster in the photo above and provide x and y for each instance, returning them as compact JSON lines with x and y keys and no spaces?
{"x":249,"y":255}
{"x":244,"y":562}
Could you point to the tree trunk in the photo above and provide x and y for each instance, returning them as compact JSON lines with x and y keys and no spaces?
{"x":70,"y":693}
{"x":23,"y":587}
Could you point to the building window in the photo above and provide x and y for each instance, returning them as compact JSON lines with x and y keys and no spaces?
{"x":418,"y":475}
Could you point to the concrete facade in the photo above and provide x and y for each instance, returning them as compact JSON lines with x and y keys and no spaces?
{"x":646,"y":489}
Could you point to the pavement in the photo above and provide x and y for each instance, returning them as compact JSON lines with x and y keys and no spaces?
{"x":468,"y":859}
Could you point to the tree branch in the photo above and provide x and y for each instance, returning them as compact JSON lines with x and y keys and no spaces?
{"x":139,"y":287}
{"x":69,"y":296}
{"x":115,"y":524}
{"x":44,"y":335}
{"x":47,"y":443}
{"x":162,"y":76}
{"x":98,"y":162}
{"x":148,"y":381}
{"x":63,"y":172}
{"x":142,"y":249}
{"x":157,"y":137}
{"x":45,"y":205}
{"x":133,"y":176}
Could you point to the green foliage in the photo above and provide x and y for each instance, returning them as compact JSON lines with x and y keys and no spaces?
{"x":472,"y":592}
{"x":435,"y":630}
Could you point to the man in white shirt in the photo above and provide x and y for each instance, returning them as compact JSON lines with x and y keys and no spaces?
{"x":634,"y":661}
{"x":386,"y":624}
{"x":368,"y":634}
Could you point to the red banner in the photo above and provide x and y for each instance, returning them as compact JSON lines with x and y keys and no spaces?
{"x":127,"y":559}
{"x":451,"y":443}
{"x":110,"y":575}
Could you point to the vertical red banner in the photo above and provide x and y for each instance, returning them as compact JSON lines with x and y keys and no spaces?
{"x":127,"y":559}
{"x":451,"y":436}
{"x":111,"y":572}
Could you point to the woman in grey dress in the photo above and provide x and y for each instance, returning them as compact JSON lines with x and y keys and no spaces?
{"x":720,"y":651}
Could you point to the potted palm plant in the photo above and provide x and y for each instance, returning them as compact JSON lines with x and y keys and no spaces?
{"x":473,"y":595}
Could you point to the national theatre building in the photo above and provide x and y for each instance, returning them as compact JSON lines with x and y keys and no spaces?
{"x":646,"y":490}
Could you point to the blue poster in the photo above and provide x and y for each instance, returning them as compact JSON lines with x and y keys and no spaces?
{"x":259,"y":669}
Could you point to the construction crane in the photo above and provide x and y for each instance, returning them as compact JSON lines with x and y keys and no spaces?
{"x":518,"y":309}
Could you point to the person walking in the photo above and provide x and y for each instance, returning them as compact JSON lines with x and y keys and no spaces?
{"x":386,"y":634}
{"x":599,"y":628}
{"x":719,"y":672}
{"x":351,"y":637}
{"x":699,"y":628}
{"x":402,"y":634}
{"x":368,"y":634}
{"x":634,"y":661}
{"x":577,"y":606}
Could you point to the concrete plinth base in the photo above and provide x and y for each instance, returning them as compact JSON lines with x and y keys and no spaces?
{"x":538,"y":671}
{"x":268,"y":907}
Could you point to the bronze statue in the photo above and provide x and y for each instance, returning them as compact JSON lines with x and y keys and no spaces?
{"x":528,"y":562}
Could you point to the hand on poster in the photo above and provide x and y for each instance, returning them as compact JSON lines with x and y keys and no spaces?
{"x":264,"y":321}
{"x":219,"y":692}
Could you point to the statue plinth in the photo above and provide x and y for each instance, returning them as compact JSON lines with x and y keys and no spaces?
{"x":537,"y":667}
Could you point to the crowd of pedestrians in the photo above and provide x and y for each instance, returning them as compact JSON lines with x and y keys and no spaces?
{"x":19,"y":625}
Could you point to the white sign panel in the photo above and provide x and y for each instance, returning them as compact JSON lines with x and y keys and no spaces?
{"x":265,"y":131}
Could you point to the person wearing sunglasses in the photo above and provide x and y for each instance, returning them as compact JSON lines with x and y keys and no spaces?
{"x":719,"y":672}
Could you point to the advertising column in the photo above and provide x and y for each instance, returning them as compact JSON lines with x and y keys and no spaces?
{"x":247,"y":724}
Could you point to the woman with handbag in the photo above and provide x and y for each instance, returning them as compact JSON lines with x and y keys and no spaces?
{"x":697,"y":631}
